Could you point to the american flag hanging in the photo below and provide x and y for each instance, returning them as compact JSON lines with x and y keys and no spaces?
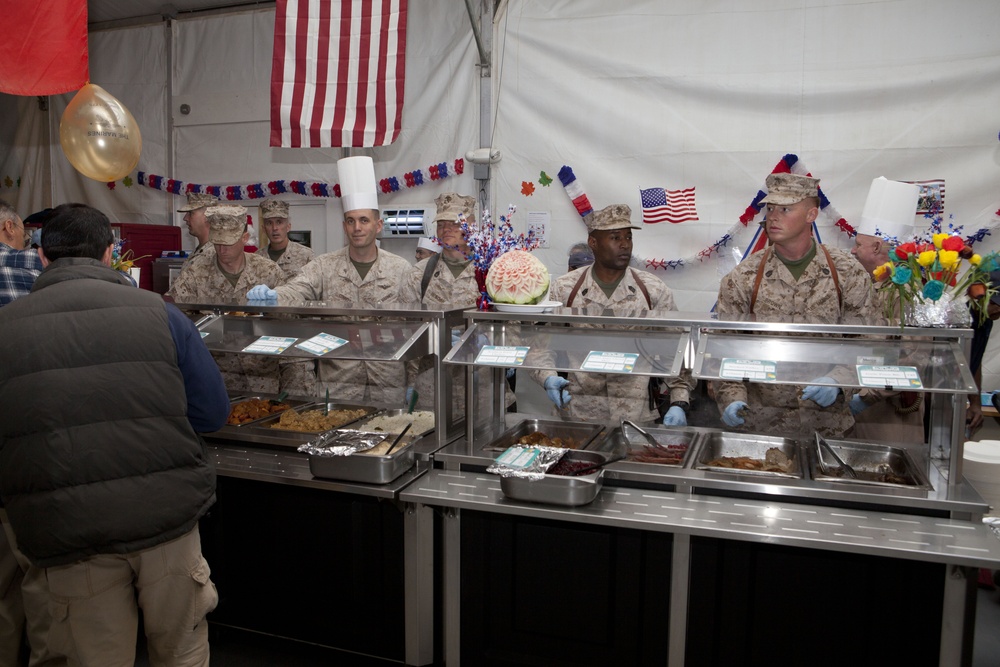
{"x":659,"y":205}
{"x":337,"y":73}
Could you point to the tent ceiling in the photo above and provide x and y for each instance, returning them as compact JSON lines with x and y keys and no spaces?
{"x":105,"y":11}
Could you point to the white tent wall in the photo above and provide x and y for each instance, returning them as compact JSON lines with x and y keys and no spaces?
{"x":222,"y":68}
{"x":676,"y":94}
{"x":132,"y":65}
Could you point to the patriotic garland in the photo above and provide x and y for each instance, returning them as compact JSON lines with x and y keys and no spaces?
{"x":788,"y":164}
{"x":410,"y":179}
{"x":487,"y":241}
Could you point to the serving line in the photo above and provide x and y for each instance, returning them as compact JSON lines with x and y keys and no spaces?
{"x":928,"y":539}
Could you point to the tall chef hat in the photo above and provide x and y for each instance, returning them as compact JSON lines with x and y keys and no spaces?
{"x":357,"y":183}
{"x":890,"y":209}
{"x":427,"y":244}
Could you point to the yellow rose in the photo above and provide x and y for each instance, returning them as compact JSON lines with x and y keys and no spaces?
{"x":927,"y":257}
{"x":975,"y":260}
{"x":882,"y":271}
{"x":949,"y":260}
{"x":939,"y":239}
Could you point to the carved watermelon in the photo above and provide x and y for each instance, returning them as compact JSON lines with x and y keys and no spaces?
{"x":518,"y":277}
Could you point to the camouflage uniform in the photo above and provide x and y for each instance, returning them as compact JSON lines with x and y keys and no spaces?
{"x":778,"y":409}
{"x":201,"y":278}
{"x":332,"y":277}
{"x":606,"y":397}
{"x":204,"y":249}
{"x":293,"y":259}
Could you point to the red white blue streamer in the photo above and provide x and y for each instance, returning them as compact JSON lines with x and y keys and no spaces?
{"x":410,"y":179}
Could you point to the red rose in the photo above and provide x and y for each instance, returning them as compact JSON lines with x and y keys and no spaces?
{"x":905,"y":250}
{"x":953,"y":243}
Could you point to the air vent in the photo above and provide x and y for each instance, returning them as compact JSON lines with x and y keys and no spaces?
{"x":403,"y":222}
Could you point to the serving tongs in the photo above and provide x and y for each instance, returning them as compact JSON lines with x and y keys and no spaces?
{"x":649,"y":438}
{"x":822,"y":444}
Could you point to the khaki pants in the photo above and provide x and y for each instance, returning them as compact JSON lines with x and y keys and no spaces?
{"x":94,"y":601}
{"x":24,"y":604}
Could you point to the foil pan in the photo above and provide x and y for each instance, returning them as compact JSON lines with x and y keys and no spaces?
{"x":558,"y":489}
{"x":347,"y":457}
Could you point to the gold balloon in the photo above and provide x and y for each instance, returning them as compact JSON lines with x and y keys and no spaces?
{"x":99,"y":136}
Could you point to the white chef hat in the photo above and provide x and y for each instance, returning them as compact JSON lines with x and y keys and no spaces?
{"x":427,"y":244}
{"x":357,"y":183}
{"x":890,"y":209}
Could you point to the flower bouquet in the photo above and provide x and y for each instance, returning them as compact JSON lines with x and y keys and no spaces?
{"x":488,"y":241}
{"x":124,"y":261}
{"x":931,"y":283}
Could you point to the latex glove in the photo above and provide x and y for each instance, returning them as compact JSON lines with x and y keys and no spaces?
{"x":409,"y":396}
{"x":555,"y":387}
{"x":455,"y":337}
{"x":822,"y":396}
{"x":261,"y":293}
{"x":730,"y":416}
{"x":510,"y":373}
{"x":857,"y":405}
{"x":675,"y":417}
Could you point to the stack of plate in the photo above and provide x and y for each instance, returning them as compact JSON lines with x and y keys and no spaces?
{"x":982,"y":468}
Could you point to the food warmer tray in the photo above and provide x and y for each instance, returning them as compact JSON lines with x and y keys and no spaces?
{"x":369,"y":469}
{"x":581,"y":433}
{"x":260,"y":432}
{"x":723,"y":444}
{"x":872,"y":463}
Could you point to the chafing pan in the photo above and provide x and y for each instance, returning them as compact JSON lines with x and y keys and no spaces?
{"x":721,"y":445}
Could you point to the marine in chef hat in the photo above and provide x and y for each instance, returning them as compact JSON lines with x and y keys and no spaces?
{"x":359,"y":194}
{"x":888,"y":218}
{"x":426,"y":247}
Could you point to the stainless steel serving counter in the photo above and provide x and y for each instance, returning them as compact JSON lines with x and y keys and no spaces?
{"x":932,"y":539}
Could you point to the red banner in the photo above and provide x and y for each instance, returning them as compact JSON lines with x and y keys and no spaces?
{"x":44,"y":48}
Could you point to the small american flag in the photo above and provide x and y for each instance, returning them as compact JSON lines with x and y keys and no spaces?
{"x":659,"y":205}
{"x":337,"y":72}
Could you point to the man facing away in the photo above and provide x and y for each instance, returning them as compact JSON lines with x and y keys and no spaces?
{"x":102,"y":471}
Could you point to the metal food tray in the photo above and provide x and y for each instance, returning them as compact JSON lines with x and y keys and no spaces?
{"x":291,"y":402}
{"x":634,"y":446}
{"x":267,"y":421}
{"x":365,"y":468}
{"x":360,"y":424}
{"x":718,"y":444}
{"x":558,"y":489}
{"x":869,"y":462}
{"x":582,"y":432}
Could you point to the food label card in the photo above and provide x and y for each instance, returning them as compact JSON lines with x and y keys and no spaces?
{"x":757,"y":370}
{"x":270,"y":345}
{"x":898,"y":377}
{"x":610,"y":362}
{"x":321,"y":343}
{"x":502,"y":355}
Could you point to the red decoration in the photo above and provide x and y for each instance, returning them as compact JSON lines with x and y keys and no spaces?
{"x":527,"y":188}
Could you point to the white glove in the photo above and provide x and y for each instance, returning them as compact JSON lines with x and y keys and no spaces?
{"x":555,"y":387}
{"x":731,"y":415}
{"x":675,"y":417}
{"x":261,"y":293}
{"x":822,"y":396}
{"x":857,"y":405}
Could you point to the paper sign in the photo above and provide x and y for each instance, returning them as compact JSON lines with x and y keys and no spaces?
{"x":609,"y":362}
{"x":320,"y":344}
{"x":897,"y":377}
{"x":518,"y":457}
{"x":270,"y":345}
{"x":757,"y":370}
{"x":502,"y":355}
